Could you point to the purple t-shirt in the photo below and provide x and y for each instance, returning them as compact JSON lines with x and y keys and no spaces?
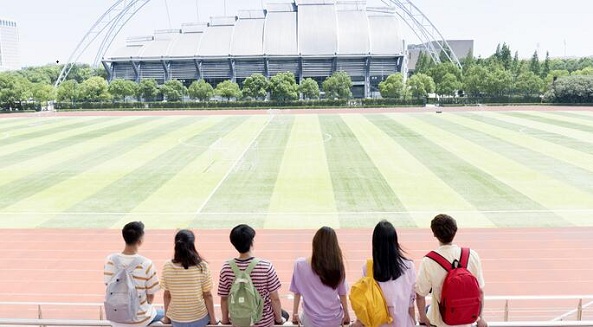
{"x":321,"y":303}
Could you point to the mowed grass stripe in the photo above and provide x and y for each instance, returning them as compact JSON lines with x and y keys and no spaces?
{"x":535,"y":116}
{"x":487,"y":153}
{"x":93,"y":171}
{"x":63,"y":157}
{"x":482,"y":189}
{"x":20,"y":124}
{"x":303,"y":196}
{"x":570,"y":166}
{"x":71,"y":138}
{"x":246,"y":192}
{"x":140,"y":183}
{"x":420,"y":191}
{"x":580,"y":115}
{"x":358,"y":184}
{"x":47,"y":176}
{"x":42,"y":131}
{"x":565,"y":137}
{"x":176,"y":202}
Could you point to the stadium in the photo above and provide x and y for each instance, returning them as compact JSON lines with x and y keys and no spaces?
{"x":310,"y":38}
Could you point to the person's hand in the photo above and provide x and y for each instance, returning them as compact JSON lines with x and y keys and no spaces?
{"x":296,"y":319}
{"x":214,"y":322}
{"x":423,"y":320}
{"x":346,"y":321}
{"x":481,"y":322}
{"x":166,"y":320}
{"x":227,"y":322}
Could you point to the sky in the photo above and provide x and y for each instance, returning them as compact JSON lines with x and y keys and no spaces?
{"x":50,"y":30}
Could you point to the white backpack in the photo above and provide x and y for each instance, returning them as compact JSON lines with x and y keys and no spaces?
{"x":122,"y":301}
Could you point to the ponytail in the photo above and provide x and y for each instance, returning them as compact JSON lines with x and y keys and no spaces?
{"x":185,"y":249}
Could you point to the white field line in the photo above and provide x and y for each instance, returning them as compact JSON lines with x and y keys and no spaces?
{"x":16,"y":213}
{"x":229,"y":171}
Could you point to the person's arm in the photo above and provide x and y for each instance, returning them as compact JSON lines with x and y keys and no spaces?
{"x":210,"y":307}
{"x":481,"y":321}
{"x":412,"y":313}
{"x":276,"y":306}
{"x":344,"y":301}
{"x":421,"y":304}
{"x":224,"y":310}
{"x":166,"y":302}
{"x":295,"y":309}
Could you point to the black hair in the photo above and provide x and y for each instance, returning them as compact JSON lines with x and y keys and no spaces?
{"x":389,"y":263}
{"x":242,"y":238}
{"x":444,"y":228}
{"x":185,"y":249}
{"x":133,"y":232}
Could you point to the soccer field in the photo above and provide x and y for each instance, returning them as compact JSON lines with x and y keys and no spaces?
{"x":279,"y":170}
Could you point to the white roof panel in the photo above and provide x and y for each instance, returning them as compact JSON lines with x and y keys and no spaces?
{"x":317,"y":30}
{"x":280,"y":34}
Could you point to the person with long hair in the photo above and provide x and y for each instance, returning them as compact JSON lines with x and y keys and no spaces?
{"x":395,"y":274}
{"x":320,"y":281}
{"x":187,"y":282}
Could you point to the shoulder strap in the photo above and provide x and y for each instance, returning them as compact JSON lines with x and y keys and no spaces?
{"x":132,"y":266}
{"x":370,"y":268}
{"x":234,"y":267}
{"x":251,"y":266}
{"x":440,"y":260}
{"x":464,"y":258}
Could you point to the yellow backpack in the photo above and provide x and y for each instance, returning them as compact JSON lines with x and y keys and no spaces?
{"x":367,"y":301}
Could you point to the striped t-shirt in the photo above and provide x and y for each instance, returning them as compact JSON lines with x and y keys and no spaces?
{"x":264,"y":279}
{"x":146,"y":280}
{"x":187,"y":287}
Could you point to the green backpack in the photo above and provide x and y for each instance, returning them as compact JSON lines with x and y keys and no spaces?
{"x":245,"y":303}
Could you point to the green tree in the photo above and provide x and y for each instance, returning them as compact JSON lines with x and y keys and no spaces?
{"x":201,"y":90}
{"x":421,"y":85}
{"x":498,"y":81}
{"x":148,"y":89}
{"x":505,"y":57}
{"x":528,"y":84}
{"x":120,"y":89}
{"x":474,"y":80}
{"x":534,"y":64}
{"x":584,"y":71}
{"x":393,"y":86}
{"x":13,"y":88}
{"x":439,"y":71}
{"x":42,"y":92}
{"x":94,"y":89}
{"x":309,"y":89}
{"x":228,"y":90}
{"x":516,"y":64}
{"x":256,"y":86}
{"x":572,"y":89}
{"x":173,"y":90}
{"x":337,"y":86}
{"x":448,"y":85}
{"x":68,"y":91}
{"x":545,"y":68}
{"x":283,"y":87}
{"x":555,"y":74}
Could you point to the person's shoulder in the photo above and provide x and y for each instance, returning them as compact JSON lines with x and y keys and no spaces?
{"x":264,"y":264}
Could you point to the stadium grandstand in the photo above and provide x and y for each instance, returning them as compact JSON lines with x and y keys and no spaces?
{"x":310,"y":38}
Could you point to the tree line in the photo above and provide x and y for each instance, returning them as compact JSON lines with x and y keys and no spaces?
{"x":503,"y":74}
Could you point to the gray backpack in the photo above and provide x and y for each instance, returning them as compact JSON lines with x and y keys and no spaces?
{"x":245,"y":303}
{"x":122,"y":301}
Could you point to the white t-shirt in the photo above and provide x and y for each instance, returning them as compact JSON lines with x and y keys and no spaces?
{"x":431,"y":277}
{"x":146,"y":280}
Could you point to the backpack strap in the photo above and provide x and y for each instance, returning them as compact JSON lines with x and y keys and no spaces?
{"x":464,"y":258}
{"x":116,"y":259}
{"x":370,"y":268}
{"x":440,"y":260}
{"x":249,"y":268}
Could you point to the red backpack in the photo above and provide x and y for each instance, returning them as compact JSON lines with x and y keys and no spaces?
{"x":460,"y":302}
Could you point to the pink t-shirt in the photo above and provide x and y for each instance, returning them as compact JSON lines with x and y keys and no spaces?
{"x":400,"y":296}
{"x":321,"y":303}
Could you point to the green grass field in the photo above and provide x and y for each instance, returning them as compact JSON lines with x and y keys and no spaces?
{"x":487,"y":169}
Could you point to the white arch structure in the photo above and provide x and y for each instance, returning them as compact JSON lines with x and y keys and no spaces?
{"x":117,"y":16}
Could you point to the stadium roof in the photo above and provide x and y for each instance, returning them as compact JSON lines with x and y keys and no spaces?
{"x":307,"y":28}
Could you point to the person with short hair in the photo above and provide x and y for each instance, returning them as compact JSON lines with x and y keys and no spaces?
{"x":264,"y":279}
{"x":431,"y":275}
{"x":320,"y":280}
{"x":187,"y":282}
{"x":145,"y":275}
